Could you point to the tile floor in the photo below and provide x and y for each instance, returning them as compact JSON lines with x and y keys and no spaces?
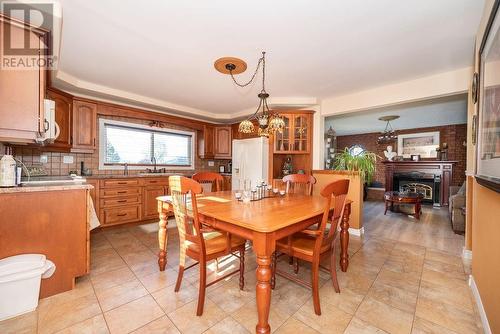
{"x":405,"y":276}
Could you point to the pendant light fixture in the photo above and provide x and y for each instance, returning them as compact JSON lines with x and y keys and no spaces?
{"x":388,"y":135}
{"x":268,"y":122}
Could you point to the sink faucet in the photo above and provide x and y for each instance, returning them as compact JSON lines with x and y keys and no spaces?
{"x":153,"y":160}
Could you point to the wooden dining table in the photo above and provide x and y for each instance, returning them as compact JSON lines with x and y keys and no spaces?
{"x":263,"y":222}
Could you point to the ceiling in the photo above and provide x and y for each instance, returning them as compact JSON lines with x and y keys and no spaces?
{"x":436,"y":112}
{"x":160,"y":54}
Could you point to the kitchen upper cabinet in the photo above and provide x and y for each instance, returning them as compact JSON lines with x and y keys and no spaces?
{"x":206,"y":142}
{"x":84,"y":126}
{"x":222,"y":143}
{"x":22,"y":91}
{"x":63,"y":120}
{"x":296,"y":135}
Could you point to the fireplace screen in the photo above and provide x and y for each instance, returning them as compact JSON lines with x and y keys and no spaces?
{"x":415,"y":187}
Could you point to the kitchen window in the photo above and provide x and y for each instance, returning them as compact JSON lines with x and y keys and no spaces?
{"x":141,"y":146}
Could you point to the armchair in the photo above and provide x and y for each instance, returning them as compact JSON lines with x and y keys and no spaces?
{"x":457,"y":201}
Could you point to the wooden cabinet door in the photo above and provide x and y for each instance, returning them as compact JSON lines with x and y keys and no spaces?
{"x":150,"y":210}
{"x":21,"y":92}
{"x":206,"y":142}
{"x":301,"y":133}
{"x":84,"y":126}
{"x":63,"y":119}
{"x":283,"y":140}
{"x":223,"y":142}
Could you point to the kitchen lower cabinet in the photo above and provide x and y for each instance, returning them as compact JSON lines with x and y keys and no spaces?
{"x":227,"y":182}
{"x":51,"y":222}
{"x":128,"y":200}
{"x":150,"y":193}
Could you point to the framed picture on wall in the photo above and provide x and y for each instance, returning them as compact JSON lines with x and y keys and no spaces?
{"x":488,"y":138}
{"x":423,"y":144}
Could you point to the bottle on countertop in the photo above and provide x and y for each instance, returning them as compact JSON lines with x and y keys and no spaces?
{"x":8,"y":169}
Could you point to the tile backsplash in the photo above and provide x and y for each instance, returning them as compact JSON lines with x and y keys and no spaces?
{"x":55,"y":165}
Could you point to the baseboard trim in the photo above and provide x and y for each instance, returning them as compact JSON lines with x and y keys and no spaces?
{"x":466,"y":254}
{"x":357,"y":231}
{"x":480,"y":307}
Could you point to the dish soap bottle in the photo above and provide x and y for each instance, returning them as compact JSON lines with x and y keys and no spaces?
{"x":8,"y":169}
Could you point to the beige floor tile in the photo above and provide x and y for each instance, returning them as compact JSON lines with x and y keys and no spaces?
{"x":356,"y":280}
{"x":422,"y":326}
{"x":56,"y":314}
{"x":385,"y":317}
{"x":294,"y":326}
{"x":229,"y":297}
{"x":447,"y":316}
{"x":23,"y":324}
{"x":161,"y":325}
{"x":170,"y":301}
{"x":227,"y":326}
{"x":460,"y":297}
{"x":332,"y":319}
{"x":109,"y":279}
{"x":247,"y":316}
{"x":95,"y":325}
{"x":133,"y":315}
{"x":347,"y":300}
{"x":186,"y":321}
{"x":444,"y":281}
{"x":446,"y":269}
{"x":358,"y":326}
{"x":159,"y":279}
{"x":403,"y":299}
{"x":436,"y":255}
{"x":110,"y":298}
{"x":404,"y":281}
{"x":106,"y":262}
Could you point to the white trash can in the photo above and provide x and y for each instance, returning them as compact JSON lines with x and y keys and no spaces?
{"x":20,"y":283}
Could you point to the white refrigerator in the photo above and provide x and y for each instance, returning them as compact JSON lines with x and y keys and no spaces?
{"x":250,"y":161}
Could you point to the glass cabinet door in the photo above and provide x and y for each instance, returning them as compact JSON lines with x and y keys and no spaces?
{"x":300,"y":133}
{"x":283,"y":139}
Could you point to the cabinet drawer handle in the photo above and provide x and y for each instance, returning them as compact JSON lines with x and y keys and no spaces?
{"x":122,"y":214}
{"x":122,"y":182}
{"x":122,"y":201}
{"x":153,"y":181}
{"x":121,"y":192}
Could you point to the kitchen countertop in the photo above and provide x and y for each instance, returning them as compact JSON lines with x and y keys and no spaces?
{"x":54,"y":186}
{"x":117,"y":176}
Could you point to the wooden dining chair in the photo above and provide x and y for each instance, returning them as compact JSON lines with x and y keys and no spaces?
{"x":313,"y":244}
{"x":200,"y":242}
{"x":209,"y":178}
{"x":299,"y":183}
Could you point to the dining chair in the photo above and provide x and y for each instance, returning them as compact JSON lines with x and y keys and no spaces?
{"x":295,"y":184}
{"x":313,"y":244}
{"x":209,"y":180}
{"x":299,"y":183}
{"x":200,"y":242}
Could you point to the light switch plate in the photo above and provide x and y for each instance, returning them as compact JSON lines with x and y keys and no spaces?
{"x":68,"y":159}
{"x":211,"y":164}
{"x":44,"y":159}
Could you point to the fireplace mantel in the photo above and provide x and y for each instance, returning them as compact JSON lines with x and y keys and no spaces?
{"x":443,"y":169}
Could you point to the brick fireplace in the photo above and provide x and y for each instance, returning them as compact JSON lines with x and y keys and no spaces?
{"x":431,"y":178}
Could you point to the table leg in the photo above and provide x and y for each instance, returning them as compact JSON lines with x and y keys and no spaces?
{"x":417,"y":210}
{"x":344,"y":239}
{"x":263,"y":249}
{"x":162,"y":237}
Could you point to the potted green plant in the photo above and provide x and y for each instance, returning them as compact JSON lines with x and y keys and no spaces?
{"x":361,"y":161}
